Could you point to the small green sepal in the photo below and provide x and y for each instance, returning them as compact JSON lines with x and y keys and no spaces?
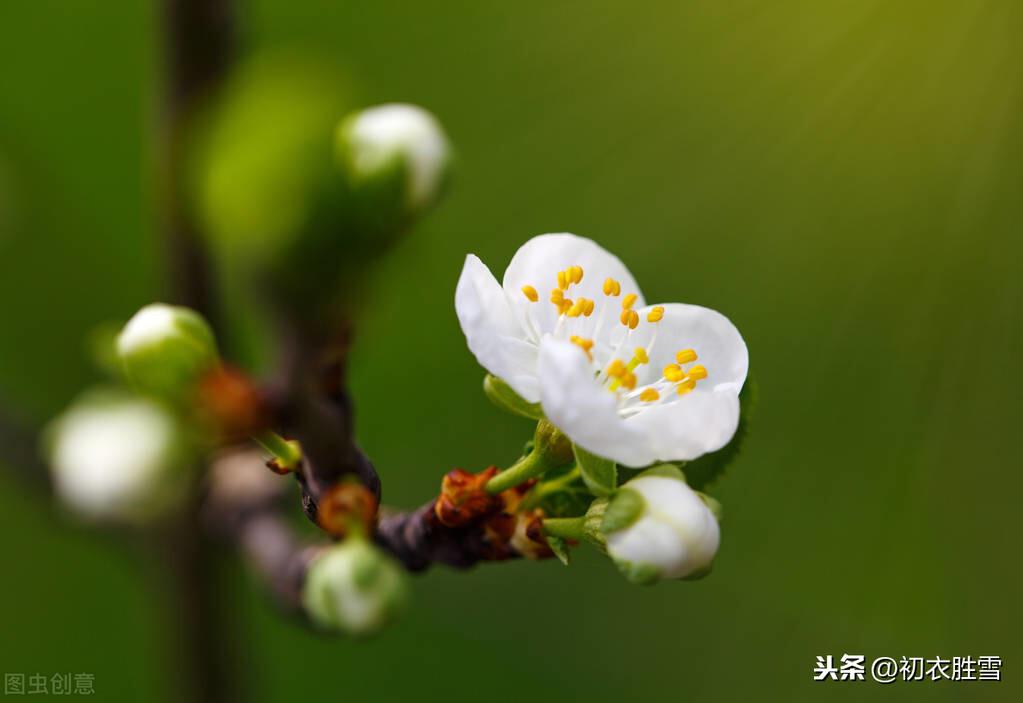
{"x":623,"y":510}
{"x":503,"y":396}
{"x":600,"y":475}
{"x":560,"y":548}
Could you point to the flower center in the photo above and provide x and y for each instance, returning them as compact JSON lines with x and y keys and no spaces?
{"x":610,"y":370}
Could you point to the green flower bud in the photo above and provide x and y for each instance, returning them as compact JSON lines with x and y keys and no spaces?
{"x":355,"y":588}
{"x":263,"y":175}
{"x":118,"y":457}
{"x":165,"y":349}
{"x":396,"y":158}
{"x":657,"y":527}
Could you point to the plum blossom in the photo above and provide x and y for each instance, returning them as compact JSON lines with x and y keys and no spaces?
{"x":569,"y":328}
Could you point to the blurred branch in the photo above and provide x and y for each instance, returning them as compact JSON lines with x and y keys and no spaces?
{"x":20,"y":449}
{"x":199,"y":47}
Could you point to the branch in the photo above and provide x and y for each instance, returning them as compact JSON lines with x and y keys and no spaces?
{"x":19,"y":449}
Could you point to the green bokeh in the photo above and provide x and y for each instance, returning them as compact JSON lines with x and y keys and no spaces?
{"x":841,"y":178}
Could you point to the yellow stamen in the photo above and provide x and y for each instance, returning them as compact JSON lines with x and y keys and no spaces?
{"x":616,"y":368}
{"x":673,"y":373}
{"x":628,"y":301}
{"x":649,"y":395}
{"x":686,"y":387}
{"x":577,"y":308}
{"x":557,"y":296}
{"x":575,"y":273}
{"x":641,"y":356}
{"x":655,"y":315}
{"x":630,"y":318}
{"x":629,"y":380}
{"x":530,"y":292}
{"x":565,"y":306}
{"x":612,"y":287}
{"x":563,"y":280}
{"x":589,"y":307}
{"x":697,"y":373}
{"x":584,"y":344}
{"x":686,"y":356}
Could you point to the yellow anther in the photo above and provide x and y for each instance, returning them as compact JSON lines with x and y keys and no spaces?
{"x":557,"y":296}
{"x":628,"y":380}
{"x":563,"y":280}
{"x":686,"y":356}
{"x":530,"y":292}
{"x":612,"y":287}
{"x":584,"y":344}
{"x":616,"y":368}
{"x":587,"y":306}
{"x":630,"y":318}
{"x":565,"y":306}
{"x":697,"y":373}
{"x":577,"y":308}
{"x":641,"y":356}
{"x":575,"y":273}
{"x":649,"y":395}
{"x":673,"y":373}
{"x":655,"y":315}
{"x":628,"y":301}
{"x":581,"y":341}
{"x":685,"y":387}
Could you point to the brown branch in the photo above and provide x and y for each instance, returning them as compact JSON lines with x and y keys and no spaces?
{"x":310,"y":402}
{"x":19,"y":449}
{"x":199,"y":47}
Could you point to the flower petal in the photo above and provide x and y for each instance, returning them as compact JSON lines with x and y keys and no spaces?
{"x":537,"y":263}
{"x":649,"y":541}
{"x":494,"y":336}
{"x":583,"y":410}
{"x":721,"y":348}
{"x":689,"y":427}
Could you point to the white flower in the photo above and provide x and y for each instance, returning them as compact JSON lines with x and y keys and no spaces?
{"x":569,"y":328}
{"x":667,"y":531}
{"x":116,"y":457}
{"x":377,"y":136}
{"x":354,"y":587}
{"x":165,"y":348}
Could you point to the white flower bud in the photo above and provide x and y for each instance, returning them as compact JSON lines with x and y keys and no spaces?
{"x":117,"y":457}
{"x":165,"y":349}
{"x":658,"y":528}
{"x":397,"y":140}
{"x":355,"y":588}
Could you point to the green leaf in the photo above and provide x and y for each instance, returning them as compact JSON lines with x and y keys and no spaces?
{"x":704,"y":471}
{"x":623,"y":510}
{"x":600,"y":475}
{"x":502,"y":395}
{"x":559,"y":547}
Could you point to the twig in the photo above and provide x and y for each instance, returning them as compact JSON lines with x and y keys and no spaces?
{"x":19,"y":449}
{"x":199,"y":47}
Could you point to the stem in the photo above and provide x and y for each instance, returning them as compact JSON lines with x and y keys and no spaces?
{"x":566,"y":527}
{"x":198,"y":47}
{"x":551,"y":487}
{"x":529,"y":466}
{"x":287,"y":453}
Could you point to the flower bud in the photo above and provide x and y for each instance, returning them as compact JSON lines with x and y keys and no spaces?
{"x":117,"y":457}
{"x":395,"y":154}
{"x":165,"y":350}
{"x":355,"y":588}
{"x":658,"y":528}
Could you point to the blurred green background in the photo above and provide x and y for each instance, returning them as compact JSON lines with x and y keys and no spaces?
{"x":843,"y":179}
